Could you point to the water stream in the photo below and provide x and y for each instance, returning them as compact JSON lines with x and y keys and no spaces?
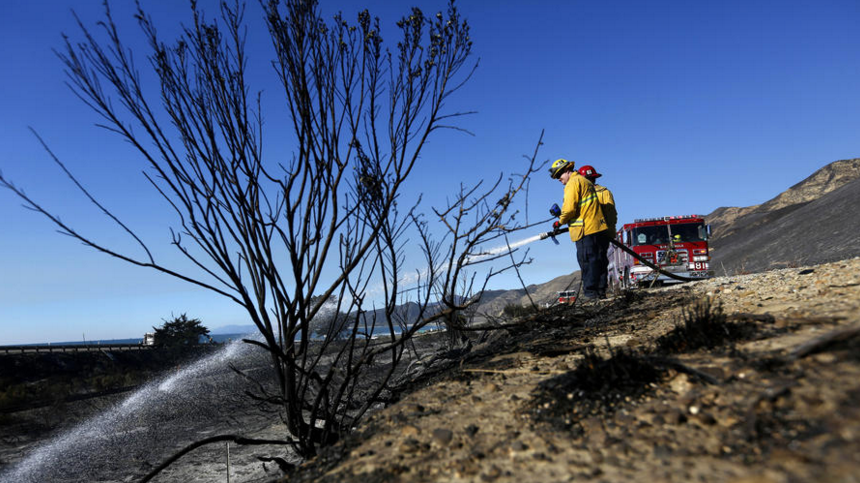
{"x":503,"y":249}
{"x":125,"y":441}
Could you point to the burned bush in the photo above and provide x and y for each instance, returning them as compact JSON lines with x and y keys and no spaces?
{"x":596,"y":387}
{"x":704,"y":325}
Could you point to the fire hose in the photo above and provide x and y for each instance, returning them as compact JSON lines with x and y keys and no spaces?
{"x":560,"y":230}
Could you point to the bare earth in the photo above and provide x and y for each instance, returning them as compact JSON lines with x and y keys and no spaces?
{"x":547,"y":401}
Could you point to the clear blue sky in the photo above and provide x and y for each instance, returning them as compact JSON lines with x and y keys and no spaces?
{"x":683,"y":106}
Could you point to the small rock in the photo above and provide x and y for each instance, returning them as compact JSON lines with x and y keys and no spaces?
{"x":806,"y":272}
{"x":492,"y":474}
{"x":662,"y":452}
{"x":825,"y":358}
{"x":680,"y":384}
{"x":472,"y":430}
{"x":413,"y":408}
{"x":410,"y":446}
{"x":519,"y":446}
{"x":492,"y":387}
{"x":647,"y":418}
{"x":728,"y":421}
{"x":443,"y":436}
{"x":706,"y":418}
{"x":410,"y":430}
{"x":592,"y":424}
{"x":676,"y":416}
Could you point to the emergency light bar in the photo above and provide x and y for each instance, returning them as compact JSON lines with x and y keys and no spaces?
{"x":666,"y":218}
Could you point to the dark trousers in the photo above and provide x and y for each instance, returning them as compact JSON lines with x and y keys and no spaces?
{"x":591,"y":255}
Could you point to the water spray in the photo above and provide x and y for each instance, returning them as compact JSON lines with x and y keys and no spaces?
{"x":120,"y":442}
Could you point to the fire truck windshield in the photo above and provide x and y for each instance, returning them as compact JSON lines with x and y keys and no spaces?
{"x":659,"y":235}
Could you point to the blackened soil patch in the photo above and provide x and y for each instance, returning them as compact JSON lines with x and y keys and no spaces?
{"x":704,"y":325}
{"x":596,"y":387}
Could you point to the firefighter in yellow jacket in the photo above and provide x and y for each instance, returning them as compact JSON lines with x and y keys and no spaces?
{"x":607,"y":205}
{"x":587,"y":225}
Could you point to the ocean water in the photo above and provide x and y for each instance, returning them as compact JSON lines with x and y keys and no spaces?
{"x":217,"y":338}
{"x":139,"y":340}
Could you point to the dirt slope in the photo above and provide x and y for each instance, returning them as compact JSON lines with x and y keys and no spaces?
{"x":822,"y":230}
{"x":615,"y":392}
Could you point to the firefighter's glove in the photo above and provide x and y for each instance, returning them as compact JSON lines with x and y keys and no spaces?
{"x":556,"y":226}
{"x":554,"y":210}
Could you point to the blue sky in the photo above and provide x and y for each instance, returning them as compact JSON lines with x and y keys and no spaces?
{"x":683,"y":106}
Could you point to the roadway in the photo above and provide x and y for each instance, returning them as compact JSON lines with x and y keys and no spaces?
{"x":42,"y":348}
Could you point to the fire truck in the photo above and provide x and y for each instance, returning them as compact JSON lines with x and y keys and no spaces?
{"x":567,"y":296}
{"x":677,"y":244}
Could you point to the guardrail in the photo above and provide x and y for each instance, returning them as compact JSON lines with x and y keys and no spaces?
{"x":28,"y":349}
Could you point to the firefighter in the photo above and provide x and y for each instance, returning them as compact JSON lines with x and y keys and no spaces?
{"x":607,"y":205}
{"x":587,"y":226}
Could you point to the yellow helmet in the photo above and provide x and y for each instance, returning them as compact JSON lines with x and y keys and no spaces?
{"x":560,"y":166}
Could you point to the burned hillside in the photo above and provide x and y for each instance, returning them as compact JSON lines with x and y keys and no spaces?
{"x":814,"y":221}
{"x":626,"y":388}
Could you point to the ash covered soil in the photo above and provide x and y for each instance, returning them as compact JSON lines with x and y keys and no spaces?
{"x":752,"y":378}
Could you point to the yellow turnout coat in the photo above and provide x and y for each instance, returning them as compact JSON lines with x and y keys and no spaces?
{"x":581,"y":208}
{"x":607,"y":205}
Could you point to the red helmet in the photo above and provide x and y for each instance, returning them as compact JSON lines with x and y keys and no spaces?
{"x":589,"y":172}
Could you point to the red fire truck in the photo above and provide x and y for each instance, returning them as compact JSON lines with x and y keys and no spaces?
{"x":677,"y":244}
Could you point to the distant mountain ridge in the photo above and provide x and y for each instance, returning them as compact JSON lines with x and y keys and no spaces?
{"x":829,"y":178}
{"x":815,"y":221}
{"x":493,"y":302}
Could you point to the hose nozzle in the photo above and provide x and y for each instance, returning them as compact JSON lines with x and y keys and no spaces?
{"x":559,"y":231}
{"x":552,"y":234}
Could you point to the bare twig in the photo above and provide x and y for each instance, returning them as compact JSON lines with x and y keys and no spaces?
{"x":824,"y":341}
